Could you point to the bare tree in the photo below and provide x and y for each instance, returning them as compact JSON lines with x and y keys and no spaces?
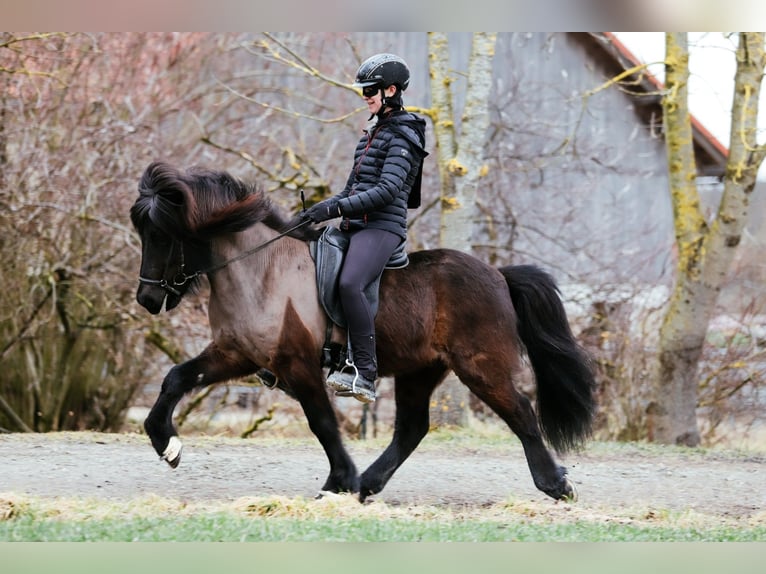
{"x":282,"y":109}
{"x":705,"y":249}
{"x":460,"y":158}
{"x":82,"y":114}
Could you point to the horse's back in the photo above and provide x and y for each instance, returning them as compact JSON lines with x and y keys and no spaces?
{"x":441,"y":298}
{"x":450,"y":275}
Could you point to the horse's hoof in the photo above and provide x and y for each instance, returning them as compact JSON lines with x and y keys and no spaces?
{"x":365,"y":498}
{"x":570,"y":491}
{"x":329,"y":494}
{"x":172,"y":453}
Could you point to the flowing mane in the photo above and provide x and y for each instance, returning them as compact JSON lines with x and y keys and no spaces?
{"x":199,"y":204}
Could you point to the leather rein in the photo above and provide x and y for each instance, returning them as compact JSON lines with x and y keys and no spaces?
{"x":181,"y":278}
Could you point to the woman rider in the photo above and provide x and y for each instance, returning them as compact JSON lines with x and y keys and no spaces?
{"x":384,"y":181}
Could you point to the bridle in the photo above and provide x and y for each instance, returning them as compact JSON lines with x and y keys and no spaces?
{"x":182,"y":278}
{"x":179,"y":280}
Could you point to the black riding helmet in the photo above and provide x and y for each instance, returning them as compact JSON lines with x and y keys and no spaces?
{"x":383,"y":70}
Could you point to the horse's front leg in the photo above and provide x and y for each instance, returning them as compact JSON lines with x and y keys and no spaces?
{"x":304,"y":377}
{"x":211,"y":366}
{"x":343,"y":475}
{"x":296,"y":361}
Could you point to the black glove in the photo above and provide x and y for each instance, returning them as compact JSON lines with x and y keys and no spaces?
{"x":324,"y":210}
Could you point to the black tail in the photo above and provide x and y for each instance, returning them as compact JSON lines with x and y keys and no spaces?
{"x":565,"y":381}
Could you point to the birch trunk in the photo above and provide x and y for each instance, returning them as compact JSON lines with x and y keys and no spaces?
{"x":466,"y":168}
{"x":704,"y":250}
{"x":461,"y":168}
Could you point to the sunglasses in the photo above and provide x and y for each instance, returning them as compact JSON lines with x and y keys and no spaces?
{"x":370,"y":91}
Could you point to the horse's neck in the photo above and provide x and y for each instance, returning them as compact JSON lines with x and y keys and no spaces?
{"x":233,"y":245}
{"x":268,"y":262}
{"x":250,"y":298}
{"x":251,"y":251}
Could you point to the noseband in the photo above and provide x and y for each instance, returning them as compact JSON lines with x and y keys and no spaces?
{"x":179,"y":280}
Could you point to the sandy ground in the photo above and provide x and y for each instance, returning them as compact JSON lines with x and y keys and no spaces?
{"x":620,"y":478}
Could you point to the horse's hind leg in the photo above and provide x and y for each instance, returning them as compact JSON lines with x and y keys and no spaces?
{"x":412,"y":396}
{"x":547,"y":475}
{"x":494,"y":386}
{"x":211,"y":366}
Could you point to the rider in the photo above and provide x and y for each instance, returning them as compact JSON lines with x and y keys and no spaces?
{"x":384,"y":181}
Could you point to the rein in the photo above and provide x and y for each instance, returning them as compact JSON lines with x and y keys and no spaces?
{"x":182,"y":278}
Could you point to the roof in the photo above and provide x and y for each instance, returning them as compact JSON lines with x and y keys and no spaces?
{"x":711,"y":154}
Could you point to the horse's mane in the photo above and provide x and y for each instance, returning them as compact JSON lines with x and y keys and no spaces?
{"x":199,"y":204}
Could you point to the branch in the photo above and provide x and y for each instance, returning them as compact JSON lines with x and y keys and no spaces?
{"x":289,"y":112}
{"x":750,"y":68}
{"x":690,"y":224}
{"x":71,"y":213}
{"x":25,"y":72}
{"x":168,"y":347}
{"x":430,"y":113}
{"x":14,"y":40}
{"x":732,"y":366}
{"x":297,"y":180}
{"x":743,"y":162}
{"x":587,"y":95}
{"x":26,"y":325}
{"x":299,"y":63}
{"x":241,"y":153}
{"x":9,"y":44}
{"x":425,"y":209}
{"x":257,"y":422}
{"x":193,"y":404}
{"x":11,"y":414}
{"x":619,"y":77}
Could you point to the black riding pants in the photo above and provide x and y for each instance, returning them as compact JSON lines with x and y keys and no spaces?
{"x":368,"y":252}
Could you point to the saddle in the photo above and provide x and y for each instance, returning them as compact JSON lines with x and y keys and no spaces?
{"x":328,"y":253}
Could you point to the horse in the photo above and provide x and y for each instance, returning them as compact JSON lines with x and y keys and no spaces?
{"x":445,"y":311}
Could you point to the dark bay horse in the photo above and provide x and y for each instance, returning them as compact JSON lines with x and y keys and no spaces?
{"x":445,"y":311}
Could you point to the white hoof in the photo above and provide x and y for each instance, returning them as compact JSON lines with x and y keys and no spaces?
{"x":328,"y":494}
{"x":172,"y":454}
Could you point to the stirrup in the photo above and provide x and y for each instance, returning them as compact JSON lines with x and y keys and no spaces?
{"x":335,"y":382}
{"x":345,"y":384}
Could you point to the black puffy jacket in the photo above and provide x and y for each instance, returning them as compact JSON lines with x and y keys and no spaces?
{"x":387,"y":161}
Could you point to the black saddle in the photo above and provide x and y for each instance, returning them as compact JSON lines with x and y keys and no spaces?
{"x":328,"y":253}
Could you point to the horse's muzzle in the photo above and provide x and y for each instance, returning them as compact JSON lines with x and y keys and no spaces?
{"x":155,"y":298}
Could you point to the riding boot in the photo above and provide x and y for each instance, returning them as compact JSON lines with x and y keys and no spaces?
{"x":357,"y":378}
{"x":363,"y":348}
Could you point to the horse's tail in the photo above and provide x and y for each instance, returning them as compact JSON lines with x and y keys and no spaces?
{"x":565,"y":380}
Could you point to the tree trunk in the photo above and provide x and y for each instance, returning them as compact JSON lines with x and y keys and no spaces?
{"x":704,"y":251}
{"x":461,"y":167}
{"x":466,"y":169}
{"x":3,"y":135}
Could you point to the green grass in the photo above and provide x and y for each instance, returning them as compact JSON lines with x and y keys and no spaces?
{"x":342,"y":519}
{"x":226,"y":527}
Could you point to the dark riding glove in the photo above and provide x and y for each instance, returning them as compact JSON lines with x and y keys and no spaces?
{"x":324,"y":210}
